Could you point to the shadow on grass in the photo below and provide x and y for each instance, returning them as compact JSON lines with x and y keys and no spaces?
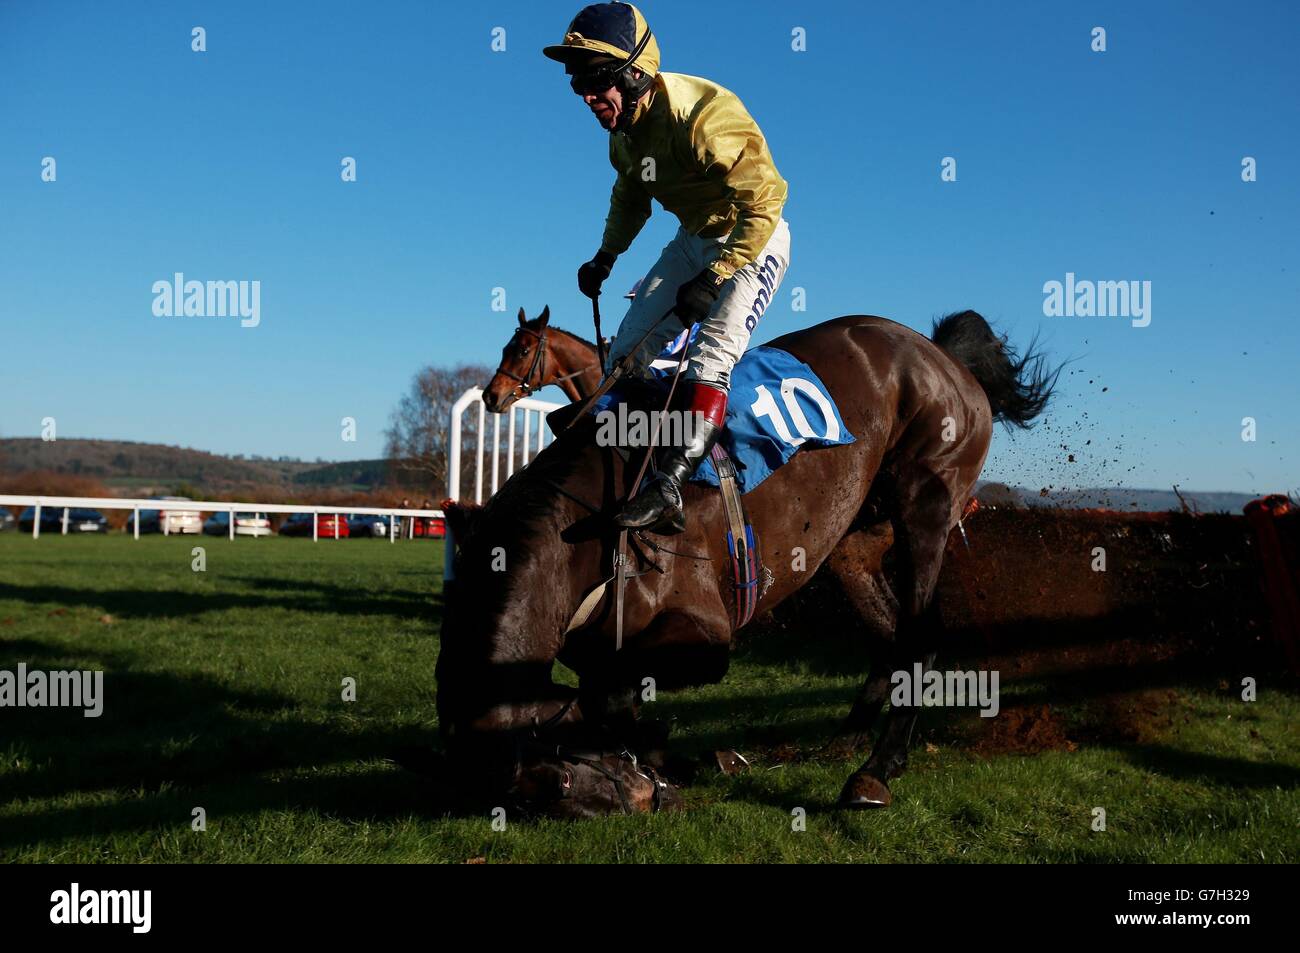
{"x":193,"y":733}
{"x":273,"y":593}
{"x":1210,"y":768}
{"x":373,"y":793}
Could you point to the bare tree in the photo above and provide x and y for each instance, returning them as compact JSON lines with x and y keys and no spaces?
{"x":416,"y":441}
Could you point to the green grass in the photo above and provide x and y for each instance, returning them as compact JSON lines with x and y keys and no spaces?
{"x":223,"y":691}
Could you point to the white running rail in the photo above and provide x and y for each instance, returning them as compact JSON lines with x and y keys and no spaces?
{"x":67,"y":503}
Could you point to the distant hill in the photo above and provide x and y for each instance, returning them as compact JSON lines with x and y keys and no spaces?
{"x":118,"y":461}
{"x":127,"y":466}
{"x":356,"y":473}
{"x":130,"y":468}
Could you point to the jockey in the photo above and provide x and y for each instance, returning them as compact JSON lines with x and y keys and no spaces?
{"x":692,"y":145}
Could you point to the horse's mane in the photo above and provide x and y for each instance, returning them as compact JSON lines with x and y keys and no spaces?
{"x":569,"y":334}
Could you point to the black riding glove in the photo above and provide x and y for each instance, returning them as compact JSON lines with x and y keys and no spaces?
{"x":593,"y":274}
{"x":696,"y":298}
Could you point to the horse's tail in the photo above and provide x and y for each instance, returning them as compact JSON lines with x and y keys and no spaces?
{"x":1018,"y":388}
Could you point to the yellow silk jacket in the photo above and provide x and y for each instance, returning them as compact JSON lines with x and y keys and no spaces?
{"x":694,"y":147}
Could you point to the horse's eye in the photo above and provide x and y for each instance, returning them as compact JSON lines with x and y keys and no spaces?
{"x":523,"y":352}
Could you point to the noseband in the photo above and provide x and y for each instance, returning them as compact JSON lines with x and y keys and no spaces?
{"x":524,"y":387}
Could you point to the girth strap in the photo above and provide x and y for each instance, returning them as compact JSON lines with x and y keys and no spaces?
{"x":740,"y":538}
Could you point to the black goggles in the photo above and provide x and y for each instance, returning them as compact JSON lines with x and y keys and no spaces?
{"x":606,"y":75}
{"x":594,"y":81}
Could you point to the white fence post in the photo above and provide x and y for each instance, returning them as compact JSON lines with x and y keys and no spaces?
{"x":455,"y":448}
{"x":36,"y":524}
{"x":65,"y":521}
{"x":496,"y":451}
{"x":510,"y":448}
{"x":478,"y":470}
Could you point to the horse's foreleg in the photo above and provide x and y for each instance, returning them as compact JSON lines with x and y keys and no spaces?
{"x":878,"y":610}
{"x":856,"y":564}
{"x":674,"y":650}
{"x":610,"y":705}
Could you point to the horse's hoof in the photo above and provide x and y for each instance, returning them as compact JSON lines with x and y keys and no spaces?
{"x":864,"y":791}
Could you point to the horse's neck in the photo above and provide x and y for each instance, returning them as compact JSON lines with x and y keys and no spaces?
{"x":575,"y":357}
{"x":550,"y":579}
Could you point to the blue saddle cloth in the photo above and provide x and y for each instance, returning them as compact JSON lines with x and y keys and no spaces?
{"x":777,"y":406}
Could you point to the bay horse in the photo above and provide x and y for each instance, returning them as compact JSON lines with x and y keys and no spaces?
{"x":922,"y":411}
{"x":537,"y":355}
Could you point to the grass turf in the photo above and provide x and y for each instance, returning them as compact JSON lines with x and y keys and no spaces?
{"x":223,"y":691}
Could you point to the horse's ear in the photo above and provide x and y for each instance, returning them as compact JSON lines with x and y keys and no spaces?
{"x":521,"y":317}
{"x":544,"y":316}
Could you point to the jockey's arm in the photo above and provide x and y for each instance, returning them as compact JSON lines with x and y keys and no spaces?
{"x":731,"y":148}
{"x":629,"y":207}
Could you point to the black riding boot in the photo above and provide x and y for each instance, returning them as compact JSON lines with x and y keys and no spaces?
{"x":658,"y":507}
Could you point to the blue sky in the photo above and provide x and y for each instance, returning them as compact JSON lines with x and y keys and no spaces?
{"x":480,"y":169}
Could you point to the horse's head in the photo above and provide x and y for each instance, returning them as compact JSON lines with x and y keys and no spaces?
{"x":524,"y":365}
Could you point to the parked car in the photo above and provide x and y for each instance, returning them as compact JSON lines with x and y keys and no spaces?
{"x":367,"y":525}
{"x":79,"y":520}
{"x":177,"y":520}
{"x":246,"y":524}
{"x":430,"y":527}
{"x":330,"y":525}
{"x":6,"y":520}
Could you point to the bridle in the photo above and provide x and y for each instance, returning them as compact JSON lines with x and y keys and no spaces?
{"x":536,"y":370}
{"x":533,"y":739}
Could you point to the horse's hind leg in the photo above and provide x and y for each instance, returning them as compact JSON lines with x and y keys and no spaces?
{"x":921,"y":533}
